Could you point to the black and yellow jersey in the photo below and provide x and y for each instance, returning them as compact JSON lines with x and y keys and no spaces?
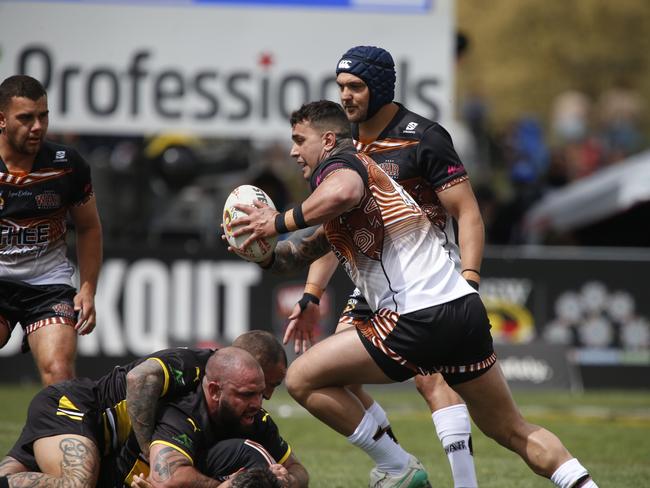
{"x":183,"y":424}
{"x":263,"y":431}
{"x":183,"y":370}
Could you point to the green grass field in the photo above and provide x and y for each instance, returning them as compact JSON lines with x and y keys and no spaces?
{"x":608,"y":431}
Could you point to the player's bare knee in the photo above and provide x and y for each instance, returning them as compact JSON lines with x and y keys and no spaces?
{"x":296,"y":383}
{"x":55,"y":371}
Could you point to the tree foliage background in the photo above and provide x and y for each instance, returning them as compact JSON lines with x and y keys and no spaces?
{"x":524,"y":52}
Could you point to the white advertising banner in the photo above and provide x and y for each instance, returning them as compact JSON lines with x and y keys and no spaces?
{"x":218,"y":68}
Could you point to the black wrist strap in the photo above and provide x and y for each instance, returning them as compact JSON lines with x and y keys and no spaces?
{"x":472,"y":270}
{"x":280,"y":225}
{"x":299,"y":218}
{"x":306,"y":298}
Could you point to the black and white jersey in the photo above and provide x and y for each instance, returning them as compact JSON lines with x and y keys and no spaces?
{"x":33,"y":211}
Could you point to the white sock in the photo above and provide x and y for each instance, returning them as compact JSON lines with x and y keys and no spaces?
{"x":455,"y":432}
{"x":569,"y":473}
{"x":389,"y":456}
{"x":379,"y":414}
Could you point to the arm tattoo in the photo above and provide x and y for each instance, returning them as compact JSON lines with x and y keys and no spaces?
{"x":166,"y":463}
{"x":143,"y":388}
{"x":300,"y":250}
{"x":79,"y":468}
{"x":9,"y":465}
{"x":167,"y":460}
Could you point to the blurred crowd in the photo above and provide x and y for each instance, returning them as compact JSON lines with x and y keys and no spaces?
{"x":513,"y":168}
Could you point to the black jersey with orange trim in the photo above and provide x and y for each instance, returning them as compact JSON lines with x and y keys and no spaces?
{"x":420,"y":155}
{"x":33,"y":210}
{"x":183,"y":370}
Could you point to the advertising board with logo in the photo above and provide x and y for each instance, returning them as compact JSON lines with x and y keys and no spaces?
{"x":219,"y":68}
{"x":555,"y":319}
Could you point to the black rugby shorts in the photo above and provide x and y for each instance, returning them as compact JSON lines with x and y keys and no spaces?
{"x":452,"y":339}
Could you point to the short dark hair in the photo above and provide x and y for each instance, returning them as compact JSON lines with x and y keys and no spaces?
{"x":324,"y":115}
{"x":258,"y":477}
{"x":263,"y":346}
{"x":20,"y":86}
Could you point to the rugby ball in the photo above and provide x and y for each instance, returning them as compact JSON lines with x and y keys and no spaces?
{"x":261,"y":248}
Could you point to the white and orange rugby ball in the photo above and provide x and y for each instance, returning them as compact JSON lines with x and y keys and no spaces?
{"x":259,"y":250}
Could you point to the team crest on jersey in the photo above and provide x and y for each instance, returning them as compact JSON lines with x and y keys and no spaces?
{"x":49,"y":199}
{"x":410,"y":127}
{"x":64,"y":310}
{"x":59,"y":157}
{"x":390,"y":168}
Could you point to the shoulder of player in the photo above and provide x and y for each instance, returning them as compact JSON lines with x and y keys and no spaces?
{"x":344,"y":160}
{"x":59,"y":154}
{"x":264,"y":417}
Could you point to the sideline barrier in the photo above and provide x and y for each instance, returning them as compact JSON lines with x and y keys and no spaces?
{"x":542,"y":302}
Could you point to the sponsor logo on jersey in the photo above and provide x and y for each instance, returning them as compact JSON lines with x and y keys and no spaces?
{"x":184,"y":440}
{"x":19,"y":193}
{"x":410,"y":127}
{"x":64,"y":310}
{"x":345,"y":64}
{"x":454,"y":169}
{"x":390,"y":168}
{"x":49,"y":199}
{"x":59,"y":157}
{"x":178,"y":376}
{"x":11,"y":235}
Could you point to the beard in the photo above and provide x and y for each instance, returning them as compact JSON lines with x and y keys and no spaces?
{"x":24,"y":146}
{"x":229,"y":418}
{"x":357,"y":114}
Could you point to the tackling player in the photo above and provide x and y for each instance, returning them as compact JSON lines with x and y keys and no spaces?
{"x":97,"y":418}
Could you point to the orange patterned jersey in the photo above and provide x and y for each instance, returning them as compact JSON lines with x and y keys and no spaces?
{"x":387,"y":244}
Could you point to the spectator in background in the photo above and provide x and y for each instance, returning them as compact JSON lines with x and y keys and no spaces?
{"x":619,"y":112}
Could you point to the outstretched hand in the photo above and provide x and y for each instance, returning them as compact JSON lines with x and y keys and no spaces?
{"x":301,"y":327}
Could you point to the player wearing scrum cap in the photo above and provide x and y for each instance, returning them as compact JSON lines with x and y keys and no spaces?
{"x":420,"y":155}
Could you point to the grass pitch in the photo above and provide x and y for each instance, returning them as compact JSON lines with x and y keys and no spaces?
{"x":608,"y":431}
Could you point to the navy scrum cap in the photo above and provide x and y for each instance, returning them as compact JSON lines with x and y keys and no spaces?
{"x":376,"y":68}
